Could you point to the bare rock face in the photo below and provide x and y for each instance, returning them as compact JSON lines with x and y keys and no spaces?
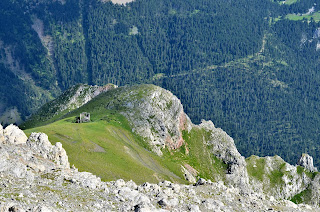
{"x":277,"y":178}
{"x":40,"y":144}
{"x":13,"y":135}
{"x":84,"y":94}
{"x":306,"y":161}
{"x":156,"y":115}
{"x":315,"y":191}
{"x":223,"y":147}
{"x":71,"y":99}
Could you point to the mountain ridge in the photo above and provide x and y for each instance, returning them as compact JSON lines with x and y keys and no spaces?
{"x":206,"y":151}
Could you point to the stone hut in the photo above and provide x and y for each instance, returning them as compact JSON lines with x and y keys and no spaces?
{"x":84,"y":117}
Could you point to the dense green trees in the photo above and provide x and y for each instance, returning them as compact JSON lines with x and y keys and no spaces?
{"x":239,"y":63}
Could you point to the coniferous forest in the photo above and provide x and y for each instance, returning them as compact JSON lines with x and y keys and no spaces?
{"x":252,"y":67}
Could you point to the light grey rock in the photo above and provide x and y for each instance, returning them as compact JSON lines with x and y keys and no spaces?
{"x":13,"y":135}
{"x":142,"y":199}
{"x":201,"y":181}
{"x":176,"y":188}
{"x":79,"y":95}
{"x":172,"y":203}
{"x":43,"y":208}
{"x":306,"y":161}
{"x":119,"y":183}
{"x":84,"y":179}
{"x":223,"y":147}
{"x":128,"y":194}
{"x":4,"y":156}
{"x":210,"y":204}
{"x":194,"y":208}
{"x":157,"y":115}
{"x":132,"y":185}
{"x":40,"y":144}
{"x":290,"y":184}
{"x":315,"y":189}
{"x":19,"y":171}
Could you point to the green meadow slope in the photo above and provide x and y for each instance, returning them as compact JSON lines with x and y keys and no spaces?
{"x":107,"y":147}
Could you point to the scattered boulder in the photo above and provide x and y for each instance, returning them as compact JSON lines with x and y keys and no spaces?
{"x":119,"y":183}
{"x":201,"y":181}
{"x":85,"y":179}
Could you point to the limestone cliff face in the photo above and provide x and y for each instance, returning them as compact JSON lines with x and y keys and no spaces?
{"x":78,"y":96}
{"x":223,"y":147}
{"x":12,"y":134}
{"x":306,"y":161}
{"x":156,"y":115}
{"x":41,"y":145}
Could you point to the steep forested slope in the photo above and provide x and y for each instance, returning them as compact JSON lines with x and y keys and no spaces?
{"x":247,"y":65}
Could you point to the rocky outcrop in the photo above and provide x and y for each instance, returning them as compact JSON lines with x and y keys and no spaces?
{"x":223,"y":147}
{"x":277,"y":178}
{"x":81,"y":95}
{"x":306,"y":161}
{"x":71,"y":99}
{"x":188,"y":175}
{"x":41,"y":145}
{"x":156,"y":115}
{"x":13,"y":135}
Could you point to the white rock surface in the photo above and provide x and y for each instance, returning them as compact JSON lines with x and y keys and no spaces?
{"x":223,"y":147}
{"x":40,"y":144}
{"x":13,"y":135}
{"x":306,"y":161}
{"x":156,"y":114}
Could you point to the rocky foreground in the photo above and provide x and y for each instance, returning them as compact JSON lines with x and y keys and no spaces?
{"x":36,"y":176}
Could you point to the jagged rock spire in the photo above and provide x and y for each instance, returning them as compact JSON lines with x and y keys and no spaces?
{"x":306,"y":161}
